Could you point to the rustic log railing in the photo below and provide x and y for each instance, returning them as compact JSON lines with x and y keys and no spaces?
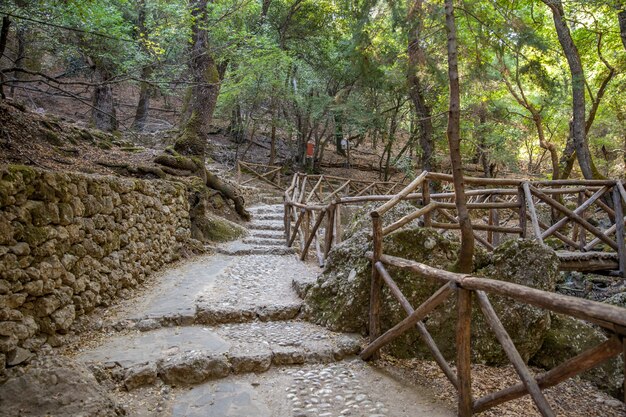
{"x":500,"y":209}
{"x":313,"y":208}
{"x":465,"y":287}
{"x":269,"y":174}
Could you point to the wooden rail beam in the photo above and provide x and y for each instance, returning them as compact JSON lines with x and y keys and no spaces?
{"x":572,"y":367}
{"x":509,"y":348}
{"x":578,"y":211}
{"x":584,"y":223}
{"x":421,"y":328}
{"x":407,"y":190}
{"x":418,"y":315}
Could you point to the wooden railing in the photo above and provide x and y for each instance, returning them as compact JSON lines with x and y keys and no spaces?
{"x":500,"y":209}
{"x":313,"y":208}
{"x":465,"y":287}
{"x":270,"y":174}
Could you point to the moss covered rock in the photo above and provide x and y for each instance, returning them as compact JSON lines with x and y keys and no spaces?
{"x":216,"y":229}
{"x":568,"y":337}
{"x":340,"y":297}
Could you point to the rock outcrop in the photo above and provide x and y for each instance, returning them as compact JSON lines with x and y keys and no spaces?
{"x":340,"y":297}
{"x":58,"y":387}
{"x":568,"y":337}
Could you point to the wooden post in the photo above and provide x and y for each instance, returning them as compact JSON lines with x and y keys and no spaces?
{"x":624,"y":361}
{"x":463,"y":352}
{"x":377,"y":282}
{"x":533,"y":214}
{"x":330,"y":226}
{"x":287,"y":220}
{"x":426,"y":201}
{"x":490,"y":223}
{"x":619,"y":230}
{"x":338,"y":223}
{"x":496,"y":221}
{"x":312,"y":235}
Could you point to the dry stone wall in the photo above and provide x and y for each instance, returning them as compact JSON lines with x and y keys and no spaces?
{"x":70,"y":242}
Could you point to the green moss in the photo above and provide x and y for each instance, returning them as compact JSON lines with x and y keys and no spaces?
{"x":51,"y":137}
{"x":105,"y":145}
{"x":212,"y":75}
{"x":21,"y":172}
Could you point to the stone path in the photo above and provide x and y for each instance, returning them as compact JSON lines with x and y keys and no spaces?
{"x":220,"y":336}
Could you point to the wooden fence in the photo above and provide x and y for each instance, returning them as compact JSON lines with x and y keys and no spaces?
{"x":313,"y":208}
{"x":269,"y":174}
{"x":500,"y":209}
{"x":465,"y":287}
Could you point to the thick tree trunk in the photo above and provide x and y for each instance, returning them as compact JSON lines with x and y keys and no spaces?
{"x":416,"y":93}
{"x":465,"y":262}
{"x":143,"y":105}
{"x":4,"y":35}
{"x":578,"y":88}
{"x":103,"y":111}
{"x":202,"y":96}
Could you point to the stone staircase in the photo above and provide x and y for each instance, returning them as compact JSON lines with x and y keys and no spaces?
{"x":220,"y":336}
{"x":267,"y":234}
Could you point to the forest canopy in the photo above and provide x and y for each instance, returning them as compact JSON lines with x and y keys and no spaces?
{"x":542,"y":82}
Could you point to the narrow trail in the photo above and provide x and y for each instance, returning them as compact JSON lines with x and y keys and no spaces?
{"x":220,"y":336}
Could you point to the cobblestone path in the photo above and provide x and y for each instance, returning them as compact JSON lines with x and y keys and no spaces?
{"x":220,"y":336}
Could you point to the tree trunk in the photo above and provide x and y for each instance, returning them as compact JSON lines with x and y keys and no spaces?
{"x":621,"y":17}
{"x":201,"y":97}
{"x":579,"y":138}
{"x":416,"y":59}
{"x":4,"y":35}
{"x":237,"y":132}
{"x":103,"y":111}
{"x":143,"y":106}
{"x":21,"y":55}
{"x":466,"y":254}
{"x":146,"y":90}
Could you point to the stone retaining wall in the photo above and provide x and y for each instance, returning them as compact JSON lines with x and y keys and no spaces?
{"x":70,"y":242}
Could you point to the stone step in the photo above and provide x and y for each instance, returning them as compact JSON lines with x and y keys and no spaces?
{"x":255,"y":240}
{"x":267,"y":208}
{"x":239,"y":248}
{"x":266,"y":225}
{"x":269,"y":216}
{"x":272,"y":199}
{"x":345,"y":388}
{"x":268,"y":234}
{"x":213,"y":314}
{"x":192,"y":355}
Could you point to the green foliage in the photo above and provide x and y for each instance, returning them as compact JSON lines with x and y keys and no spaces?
{"x":309,"y":64}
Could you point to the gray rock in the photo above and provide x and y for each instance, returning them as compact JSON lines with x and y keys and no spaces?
{"x":140,"y":375}
{"x":18,"y":356}
{"x":192,"y":368}
{"x":568,"y":337}
{"x":147,"y":325}
{"x":340,"y":297}
{"x":250,"y":358}
{"x":56,"y":386}
{"x":287,"y":355}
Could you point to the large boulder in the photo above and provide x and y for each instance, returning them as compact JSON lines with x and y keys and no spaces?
{"x":56,"y":386}
{"x":340,"y":297}
{"x":568,"y":337}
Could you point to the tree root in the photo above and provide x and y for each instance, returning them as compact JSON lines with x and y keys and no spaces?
{"x":175,"y":163}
